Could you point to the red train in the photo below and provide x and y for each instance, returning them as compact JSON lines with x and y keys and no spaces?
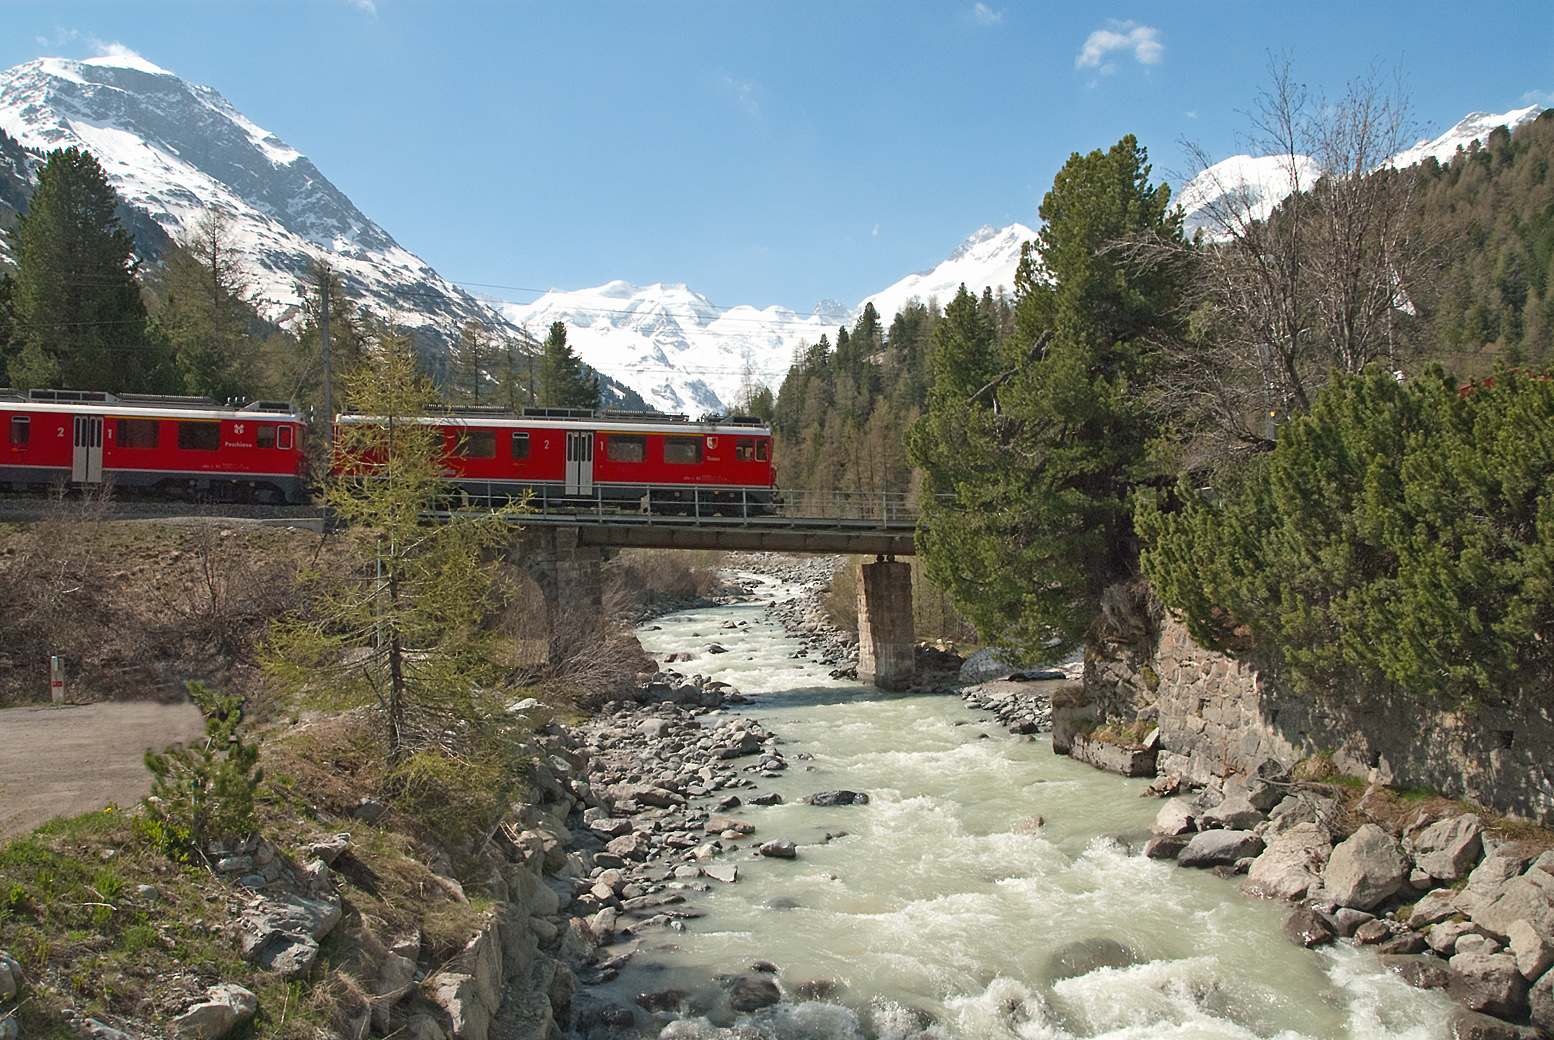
{"x":193,"y":447}
{"x":176,"y":446}
{"x":648,"y":460}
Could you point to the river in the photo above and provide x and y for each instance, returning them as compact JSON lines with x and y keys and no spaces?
{"x":977,"y":858}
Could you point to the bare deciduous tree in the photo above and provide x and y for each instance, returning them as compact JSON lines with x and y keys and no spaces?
{"x":1286,"y":291}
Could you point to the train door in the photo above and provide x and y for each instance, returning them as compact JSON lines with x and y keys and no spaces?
{"x":86,"y":462}
{"x":580,"y":463}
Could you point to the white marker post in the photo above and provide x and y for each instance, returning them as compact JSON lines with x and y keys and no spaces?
{"x":57,"y":679}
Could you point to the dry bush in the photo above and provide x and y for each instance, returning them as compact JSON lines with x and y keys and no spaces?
{"x":638,"y":580}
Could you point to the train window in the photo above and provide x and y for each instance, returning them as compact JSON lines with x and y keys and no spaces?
{"x":682,"y":449}
{"x":762,"y":450}
{"x":476,"y":444}
{"x":520,"y":446}
{"x":21,"y":429}
{"x":744,"y":449}
{"x":264,"y":436}
{"x":136,"y":433}
{"x":626,"y":447}
{"x":199,"y":436}
{"x":283,"y":438}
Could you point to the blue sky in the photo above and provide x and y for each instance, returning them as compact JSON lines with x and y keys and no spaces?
{"x":763,"y":153}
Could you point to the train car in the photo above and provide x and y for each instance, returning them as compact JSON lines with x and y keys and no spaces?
{"x":184,"y":447}
{"x":649,"y":460}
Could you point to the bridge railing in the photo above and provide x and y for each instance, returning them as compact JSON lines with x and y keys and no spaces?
{"x":680,"y":503}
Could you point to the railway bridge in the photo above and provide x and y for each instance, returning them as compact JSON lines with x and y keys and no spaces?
{"x":563,"y":536}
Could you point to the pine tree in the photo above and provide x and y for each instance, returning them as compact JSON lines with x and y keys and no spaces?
{"x":1037,"y":446}
{"x":565,"y":382}
{"x":79,"y":315}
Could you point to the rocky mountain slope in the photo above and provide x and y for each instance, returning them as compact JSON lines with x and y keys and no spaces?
{"x":174,"y":150}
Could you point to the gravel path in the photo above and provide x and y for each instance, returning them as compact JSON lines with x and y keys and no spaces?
{"x":69,"y":759}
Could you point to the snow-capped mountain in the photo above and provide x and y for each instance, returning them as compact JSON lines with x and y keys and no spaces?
{"x":1250,"y":187}
{"x":673,"y":346}
{"x":988,"y":259}
{"x":174,"y":150}
{"x":683,"y":354}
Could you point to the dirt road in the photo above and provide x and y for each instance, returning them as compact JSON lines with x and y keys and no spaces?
{"x":69,"y":759}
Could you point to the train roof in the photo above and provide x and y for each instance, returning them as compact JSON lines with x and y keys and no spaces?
{"x":97,"y":402}
{"x":608,"y":419}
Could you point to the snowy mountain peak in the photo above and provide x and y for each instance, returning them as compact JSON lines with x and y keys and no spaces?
{"x":176,"y":151}
{"x":1251,"y":187}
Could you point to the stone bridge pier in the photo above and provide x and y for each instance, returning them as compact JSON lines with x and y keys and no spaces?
{"x":885,"y":644}
{"x":566,"y":572}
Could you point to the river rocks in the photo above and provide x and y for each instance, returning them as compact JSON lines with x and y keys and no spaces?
{"x":1448,"y":849}
{"x":827,"y":798}
{"x":1528,"y":898}
{"x":780,"y":849}
{"x":1533,"y":950}
{"x":1021,"y":707}
{"x":1087,"y":955}
{"x":1166,"y":846}
{"x":1433,"y":907}
{"x":1309,"y":928}
{"x":1489,"y":983}
{"x":1235,"y":813}
{"x":1291,"y":865}
{"x":1176,"y":816}
{"x":1215,"y":848}
{"x":1365,"y":869}
{"x":748,"y":993}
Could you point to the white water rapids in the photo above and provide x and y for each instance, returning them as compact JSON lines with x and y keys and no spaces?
{"x":943,"y":904}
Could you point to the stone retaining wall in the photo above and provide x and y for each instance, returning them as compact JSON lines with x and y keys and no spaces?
{"x":1222,"y":714}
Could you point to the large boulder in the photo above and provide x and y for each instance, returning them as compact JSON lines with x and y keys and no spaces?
{"x":1213,"y":848}
{"x":1528,"y":898}
{"x":1291,"y":865}
{"x":1307,"y":928}
{"x":223,"y":1008}
{"x":1448,"y":849}
{"x":1489,"y":983}
{"x":985,"y":665}
{"x":1488,"y":880}
{"x":1235,"y":813}
{"x":1365,"y":869}
{"x":1533,"y":950}
{"x":752,"y":992}
{"x":1086,"y":955}
{"x":1541,"y":1001}
{"x":1176,"y":816}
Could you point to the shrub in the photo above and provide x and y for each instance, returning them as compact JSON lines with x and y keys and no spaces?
{"x":203,"y":793}
{"x":1400,"y":533}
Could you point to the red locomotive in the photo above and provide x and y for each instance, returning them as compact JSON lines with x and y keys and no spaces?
{"x":176,"y":446}
{"x":649,"y":460}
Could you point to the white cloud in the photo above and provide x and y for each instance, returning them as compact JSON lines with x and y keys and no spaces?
{"x":985,"y":15}
{"x":1143,"y":41}
{"x":876,"y":231}
{"x":114,"y":50}
{"x":1190,"y":115}
{"x":365,"y":5}
{"x":744,"y":93}
{"x":1539,"y":97}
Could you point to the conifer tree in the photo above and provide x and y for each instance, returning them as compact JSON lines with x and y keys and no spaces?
{"x":79,"y":315}
{"x":407,"y":635}
{"x":205,"y":314}
{"x":565,"y":382}
{"x":1037,"y":446}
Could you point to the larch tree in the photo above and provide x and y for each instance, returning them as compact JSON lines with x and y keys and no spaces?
{"x":407,"y":634}
{"x":205,"y":312}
